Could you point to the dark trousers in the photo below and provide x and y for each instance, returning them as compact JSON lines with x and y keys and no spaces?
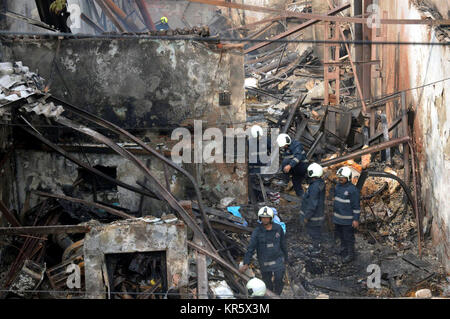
{"x":315,"y":233}
{"x":297,"y":173}
{"x":346,"y":234}
{"x":277,"y":284}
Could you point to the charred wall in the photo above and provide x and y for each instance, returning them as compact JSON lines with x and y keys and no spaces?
{"x":148,"y":87}
{"x":422,"y":69}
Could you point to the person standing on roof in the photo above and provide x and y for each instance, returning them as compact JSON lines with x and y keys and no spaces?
{"x":294,"y":161}
{"x":269,"y":241}
{"x":163,"y":24}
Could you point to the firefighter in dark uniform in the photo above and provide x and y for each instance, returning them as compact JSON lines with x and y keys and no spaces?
{"x":294,"y":161}
{"x":346,"y":213}
{"x":313,"y":204}
{"x":269,"y":241}
{"x":163,"y":24}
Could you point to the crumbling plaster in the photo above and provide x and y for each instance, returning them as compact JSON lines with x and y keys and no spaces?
{"x":419,"y":66}
{"x":129,"y":236}
{"x":145,"y":85}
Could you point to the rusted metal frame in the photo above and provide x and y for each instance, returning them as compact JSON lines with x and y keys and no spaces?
{"x":118,"y":130}
{"x":59,"y":229}
{"x":355,"y":74}
{"x":127,"y":21}
{"x":293,"y":30}
{"x":87,"y":167}
{"x":358,"y":85}
{"x":142,"y":5}
{"x":318,"y":16}
{"x":249,"y":63}
{"x":161,"y":189}
{"x":372,"y":149}
{"x":334,"y":75}
{"x":378,"y":135}
{"x":8,"y":215}
{"x":223,"y":263}
{"x":87,"y":203}
{"x":108,"y":12}
{"x":247,"y":26}
{"x":92,"y":24}
{"x":27,"y":245}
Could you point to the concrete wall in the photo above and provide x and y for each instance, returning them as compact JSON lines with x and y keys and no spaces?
{"x":418,"y":66}
{"x":144,"y":86}
{"x":129,"y":236}
{"x":181,"y":14}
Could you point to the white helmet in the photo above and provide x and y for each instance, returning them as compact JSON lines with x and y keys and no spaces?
{"x":256,"y":287}
{"x":265,"y":211}
{"x":256,"y":131}
{"x":283,"y":140}
{"x":315,"y":170}
{"x":345,"y":172}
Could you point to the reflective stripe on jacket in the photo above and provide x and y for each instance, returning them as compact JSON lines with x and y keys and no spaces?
{"x":346,"y":204}
{"x":295,"y":153}
{"x":313,"y":203}
{"x":270,"y":246}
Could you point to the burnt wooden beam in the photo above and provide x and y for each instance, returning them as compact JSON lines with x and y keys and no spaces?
{"x":38,"y":230}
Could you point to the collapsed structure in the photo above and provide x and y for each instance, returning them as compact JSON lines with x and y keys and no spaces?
{"x":89,"y":188}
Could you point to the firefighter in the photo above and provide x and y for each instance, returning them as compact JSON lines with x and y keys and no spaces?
{"x":294,"y":161}
{"x":163,"y":24}
{"x":346,"y":213}
{"x":269,"y":241}
{"x":313,"y":204}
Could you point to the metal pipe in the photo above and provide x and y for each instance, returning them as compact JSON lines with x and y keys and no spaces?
{"x":122,"y":132}
{"x":161,"y":189}
{"x":372,"y":149}
{"x":92,"y":170}
{"x":293,"y":30}
{"x":142,"y":5}
{"x":34,"y":230}
{"x":87,"y":203}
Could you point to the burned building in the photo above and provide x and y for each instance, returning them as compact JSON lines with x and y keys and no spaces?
{"x":96,"y":103}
